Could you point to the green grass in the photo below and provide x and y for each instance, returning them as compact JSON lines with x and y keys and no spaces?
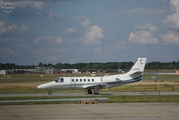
{"x":27,"y":83}
{"x":144,"y":98}
{"x":30,"y":86}
{"x":161,"y":76}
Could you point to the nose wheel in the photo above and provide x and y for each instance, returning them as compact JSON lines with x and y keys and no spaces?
{"x":50,"y":92}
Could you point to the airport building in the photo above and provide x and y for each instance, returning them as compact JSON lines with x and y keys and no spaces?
{"x":47,"y":70}
{"x":38,"y":70}
{"x":3,"y":72}
{"x":69,"y":70}
{"x":51,"y":70}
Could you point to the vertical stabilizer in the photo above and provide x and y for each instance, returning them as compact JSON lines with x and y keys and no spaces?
{"x":139,"y":65}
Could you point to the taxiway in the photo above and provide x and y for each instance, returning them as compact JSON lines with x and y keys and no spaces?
{"x":103,"y":111}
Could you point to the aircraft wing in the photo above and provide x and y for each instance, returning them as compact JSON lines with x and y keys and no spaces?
{"x":92,"y":86}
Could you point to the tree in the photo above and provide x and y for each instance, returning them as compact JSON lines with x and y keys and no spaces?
{"x":40,"y":64}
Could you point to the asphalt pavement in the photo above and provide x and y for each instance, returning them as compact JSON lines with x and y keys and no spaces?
{"x":101,"y":111}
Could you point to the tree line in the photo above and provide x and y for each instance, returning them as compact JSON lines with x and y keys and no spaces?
{"x":95,"y":65}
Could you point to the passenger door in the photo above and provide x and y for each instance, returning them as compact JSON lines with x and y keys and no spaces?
{"x":72,"y":83}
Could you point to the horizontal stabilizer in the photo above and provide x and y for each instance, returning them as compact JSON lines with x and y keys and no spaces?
{"x":136,"y":74}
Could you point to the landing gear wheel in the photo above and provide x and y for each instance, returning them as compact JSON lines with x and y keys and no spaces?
{"x":96,"y":91}
{"x":50,"y":92}
{"x":89,"y":91}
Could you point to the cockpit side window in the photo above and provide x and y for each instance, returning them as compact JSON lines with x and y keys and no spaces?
{"x":59,"y":80}
{"x":56,"y":80}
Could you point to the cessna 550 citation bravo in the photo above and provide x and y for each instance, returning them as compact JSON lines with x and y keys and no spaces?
{"x":95,"y":83}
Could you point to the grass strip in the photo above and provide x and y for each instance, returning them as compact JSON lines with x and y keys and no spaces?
{"x":144,"y":98}
{"x":112,"y":99}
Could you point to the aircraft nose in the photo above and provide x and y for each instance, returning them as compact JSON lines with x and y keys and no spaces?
{"x":40,"y":86}
{"x":45,"y":86}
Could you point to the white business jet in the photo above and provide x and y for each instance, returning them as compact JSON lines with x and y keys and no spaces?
{"x":95,"y":83}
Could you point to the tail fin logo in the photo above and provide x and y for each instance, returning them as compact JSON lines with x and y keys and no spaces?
{"x":141,"y":62}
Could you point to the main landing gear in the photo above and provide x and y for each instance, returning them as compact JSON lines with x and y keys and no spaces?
{"x":96,"y":91}
{"x":89,"y":91}
{"x":49,"y":92}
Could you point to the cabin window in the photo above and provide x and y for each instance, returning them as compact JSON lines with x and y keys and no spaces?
{"x":92,"y":80}
{"x":72,"y":80}
{"x":80,"y":80}
{"x":84,"y":80}
{"x":76,"y":80}
{"x":88,"y":80}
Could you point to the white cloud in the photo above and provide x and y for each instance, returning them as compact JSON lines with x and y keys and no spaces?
{"x":51,"y":39}
{"x":14,"y":28}
{"x":86,"y":23}
{"x":2,"y":24}
{"x":59,"y":40}
{"x":173,"y":20}
{"x":52,"y":15}
{"x":11,"y":29}
{"x":2,"y":27}
{"x":70,"y":30}
{"x":61,"y":49}
{"x":170,"y":38}
{"x":139,"y":11}
{"x":8,"y":34}
{"x":93,"y":36}
{"x":146,"y":10}
{"x":175,"y":5}
{"x":147,"y":27}
{"x":25,"y":46}
{"x":144,"y":35}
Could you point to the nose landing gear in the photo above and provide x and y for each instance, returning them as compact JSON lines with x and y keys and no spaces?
{"x":49,"y":92}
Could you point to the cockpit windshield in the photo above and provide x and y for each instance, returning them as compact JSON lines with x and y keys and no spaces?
{"x":59,"y":80}
{"x":56,"y":79}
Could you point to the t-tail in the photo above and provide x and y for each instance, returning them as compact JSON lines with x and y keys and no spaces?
{"x":138,"y":68}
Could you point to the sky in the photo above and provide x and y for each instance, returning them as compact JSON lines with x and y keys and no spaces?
{"x":75,"y":31}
